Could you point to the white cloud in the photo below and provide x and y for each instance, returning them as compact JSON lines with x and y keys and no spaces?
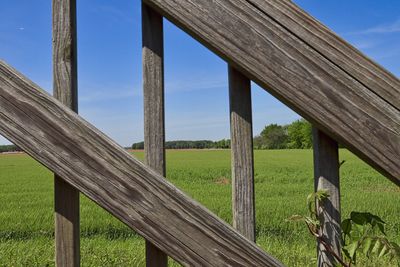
{"x":116,"y":14}
{"x":196,"y":126}
{"x":124,"y":124}
{"x":195,"y":84}
{"x":380,"y":29}
{"x":385,"y":54}
{"x":365,"y":44}
{"x":92,"y":95}
{"x":4,"y":141}
{"x":378,"y":42}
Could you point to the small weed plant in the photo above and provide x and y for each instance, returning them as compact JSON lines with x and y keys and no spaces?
{"x":362,"y":233}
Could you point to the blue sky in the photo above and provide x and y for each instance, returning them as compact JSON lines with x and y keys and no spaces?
{"x":109,"y":63}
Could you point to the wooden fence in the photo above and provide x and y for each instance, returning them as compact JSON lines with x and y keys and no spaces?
{"x":348,"y":98}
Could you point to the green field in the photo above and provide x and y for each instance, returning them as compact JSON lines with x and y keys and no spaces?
{"x":283,"y":179}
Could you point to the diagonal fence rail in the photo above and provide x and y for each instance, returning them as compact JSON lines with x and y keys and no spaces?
{"x":307,"y":67}
{"x":102,"y":170}
{"x":348,"y":98}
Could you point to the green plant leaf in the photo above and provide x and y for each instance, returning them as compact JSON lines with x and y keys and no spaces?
{"x":346,"y":253}
{"x":362,"y":229}
{"x":394,"y":252}
{"x":358,"y":218}
{"x":346,"y":226}
{"x":311,"y":198}
{"x":395,"y":248}
{"x":378,"y":219}
{"x":312,"y":224}
{"x":312,"y":221}
{"x":310,"y":202}
{"x":351,"y":248}
{"x":367,"y":245}
{"x":381,"y":227}
{"x":377,"y":247}
{"x":385,"y":249}
{"x":321,"y":195}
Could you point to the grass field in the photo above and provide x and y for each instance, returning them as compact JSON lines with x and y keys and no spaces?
{"x":283,"y":179}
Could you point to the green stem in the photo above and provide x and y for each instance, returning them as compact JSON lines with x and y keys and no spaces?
{"x":328,"y":247}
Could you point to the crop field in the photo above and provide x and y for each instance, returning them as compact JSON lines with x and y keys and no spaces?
{"x":283,"y":178}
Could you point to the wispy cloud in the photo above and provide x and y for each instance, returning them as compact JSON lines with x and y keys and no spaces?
{"x":106,"y":95}
{"x":196,"y":126}
{"x":378,"y":41}
{"x":94,"y":93}
{"x":393,"y":27}
{"x":116,"y":14}
{"x":365,"y":44}
{"x":4,"y":141}
{"x":384,"y":54}
{"x":124,"y":124}
{"x":195,"y":84}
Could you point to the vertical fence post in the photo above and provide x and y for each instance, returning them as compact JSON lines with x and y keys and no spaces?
{"x":66,"y":198}
{"x":153,"y":92}
{"x":326,"y":175}
{"x":242,"y":153}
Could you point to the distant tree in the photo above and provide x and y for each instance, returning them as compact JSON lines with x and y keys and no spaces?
{"x":139,"y":145}
{"x":274,"y":137}
{"x":299,"y":134}
{"x":258,"y":142}
{"x":307,"y":135}
{"x":224,"y":143}
{"x":188,"y":144}
{"x":9,"y":148}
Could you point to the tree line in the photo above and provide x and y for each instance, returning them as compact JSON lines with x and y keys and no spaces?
{"x":296,"y":135}
{"x":183,"y":144}
{"x":9,"y":148}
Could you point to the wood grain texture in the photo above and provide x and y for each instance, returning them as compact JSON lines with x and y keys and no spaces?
{"x":380,"y":81}
{"x":243,"y":204}
{"x":66,"y":198}
{"x":67,"y":235}
{"x":106,"y":173}
{"x":153,"y":93}
{"x":297,"y":74}
{"x":326,"y":177}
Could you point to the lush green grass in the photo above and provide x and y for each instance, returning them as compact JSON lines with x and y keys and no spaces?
{"x":283,"y":179}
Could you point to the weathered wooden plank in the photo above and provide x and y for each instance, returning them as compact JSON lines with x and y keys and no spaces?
{"x":380,"y":81}
{"x":296,"y":74}
{"x":66,"y":198}
{"x":243,"y":204}
{"x":66,"y":208}
{"x":326,"y":177}
{"x":153,"y":93}
{"x":106,"y":173}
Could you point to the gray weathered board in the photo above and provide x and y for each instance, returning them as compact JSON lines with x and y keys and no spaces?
{"x":243,"y":202}
{"x":153,"y":94}
{"x":66,"y":197}
{"x":106,"y":173}
{"x":334,"y":48}
{"x":326,"y":177}
{"x":352,"y":99}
